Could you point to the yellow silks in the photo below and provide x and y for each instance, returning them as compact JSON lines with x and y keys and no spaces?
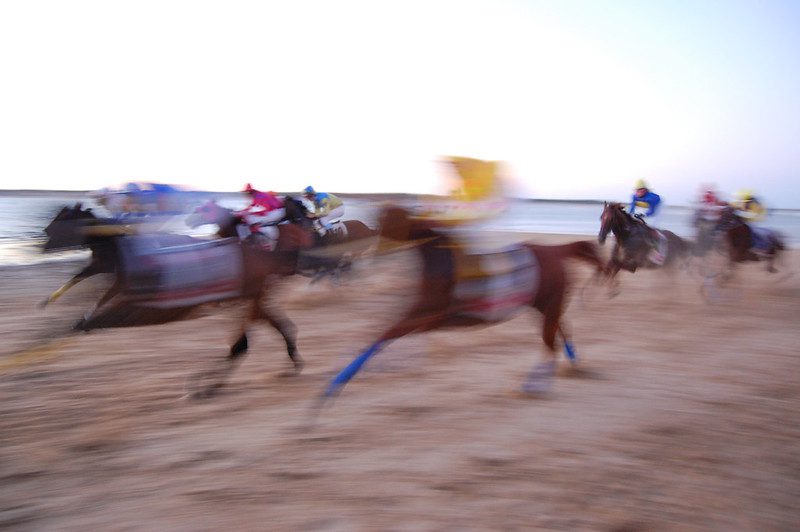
{"x":750,"y":210}
{"x":476,"y":196}
{"x":478,"y":178}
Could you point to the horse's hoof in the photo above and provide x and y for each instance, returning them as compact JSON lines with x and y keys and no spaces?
{"x":298,"y":366}
{"x":538,"y":389}
{"x":208,"y":393}
{"x":541,"y":379}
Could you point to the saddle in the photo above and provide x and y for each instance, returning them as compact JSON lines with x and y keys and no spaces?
{"x":337,"y":232}
{"x":493,"y":286}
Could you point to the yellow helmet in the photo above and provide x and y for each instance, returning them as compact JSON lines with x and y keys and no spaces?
{"x":745,"y":194}
{"x":640,"y":183}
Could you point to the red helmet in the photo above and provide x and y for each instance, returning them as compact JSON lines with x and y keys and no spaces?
{"x":248,"y":188}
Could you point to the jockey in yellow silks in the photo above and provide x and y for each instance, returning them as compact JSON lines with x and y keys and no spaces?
{"x":751,"y":210}
{"x":748,"y":207}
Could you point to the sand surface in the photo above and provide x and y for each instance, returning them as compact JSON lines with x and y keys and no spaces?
{"x":686,"y":414}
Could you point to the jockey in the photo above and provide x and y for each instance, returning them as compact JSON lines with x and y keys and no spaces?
{"x":709,"y":206}
{"x":328,"y":209}
{"x":646,"y":204}
{"x":265,"y":210}
{"x":750,"y":209}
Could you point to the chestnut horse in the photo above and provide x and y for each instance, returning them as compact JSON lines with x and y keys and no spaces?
{"x":536,"y":278}
{"x":259,"y":270}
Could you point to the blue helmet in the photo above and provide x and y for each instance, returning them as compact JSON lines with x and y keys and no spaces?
{"x":309,"y":190}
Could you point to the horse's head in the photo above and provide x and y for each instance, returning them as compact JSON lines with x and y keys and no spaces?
{"x":66,"y":230}
{"x":612,"y":219}
{"x":209,"y":212}
{"x":296,"y":211}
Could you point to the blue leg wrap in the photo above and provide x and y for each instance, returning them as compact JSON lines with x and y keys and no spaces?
{"x":569,"y":350}
{"x":351,"y":369}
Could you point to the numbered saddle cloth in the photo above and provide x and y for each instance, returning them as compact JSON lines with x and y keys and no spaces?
{"x":172,"y":271}
{"x":494,"y":286}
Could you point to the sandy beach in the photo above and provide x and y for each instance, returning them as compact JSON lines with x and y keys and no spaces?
{"x":684,"y":416}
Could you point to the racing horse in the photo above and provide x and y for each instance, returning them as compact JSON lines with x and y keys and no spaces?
{"x":249,"y":273}
{"x":459,"y":289}
{"x":745,"y":243}
{"x":634,"y":245}
{"x":352,"y":232}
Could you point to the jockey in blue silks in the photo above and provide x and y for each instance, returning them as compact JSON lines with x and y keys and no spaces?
{"x":646,"y":204}
{"x":644,"y":201}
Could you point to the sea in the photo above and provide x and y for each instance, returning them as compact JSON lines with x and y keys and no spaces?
{"x":23,"y":216}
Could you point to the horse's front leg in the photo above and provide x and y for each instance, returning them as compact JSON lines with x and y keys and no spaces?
{"x":613,"y":268}
{"x":417,"y":320}
{"x":88,"y":271}
{"x":110,"y":293}
{"x":771,"y":261}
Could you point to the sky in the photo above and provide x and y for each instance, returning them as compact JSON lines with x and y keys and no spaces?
{"x":578,"y":98}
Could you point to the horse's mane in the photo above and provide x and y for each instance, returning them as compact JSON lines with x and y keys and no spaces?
{"x":616,"y":206}
{"x":295,"y":210}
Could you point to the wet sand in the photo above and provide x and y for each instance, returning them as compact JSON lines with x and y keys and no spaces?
{"x":685,"y":415}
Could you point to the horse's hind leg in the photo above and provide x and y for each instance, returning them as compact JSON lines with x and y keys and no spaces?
{"x":206,"y":383}
{"x":569,"y":347}
{"x":287,"y":329}
{"x":83,"y":324}
{"x":540,"y":380}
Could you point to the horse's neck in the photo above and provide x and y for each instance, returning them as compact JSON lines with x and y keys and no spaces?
{"x":227,"y":226}
{"x":621,"y":228}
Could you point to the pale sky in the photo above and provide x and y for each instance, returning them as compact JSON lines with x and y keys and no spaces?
{"x":580,"y":98}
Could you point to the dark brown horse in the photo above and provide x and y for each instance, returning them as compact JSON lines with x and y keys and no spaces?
{"x":744,"y":243}
{"x":457,"y":289}
{"x":636,"y":242}
{"x":249,"y":271}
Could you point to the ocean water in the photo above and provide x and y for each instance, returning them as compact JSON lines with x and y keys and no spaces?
{"x":23,"y":218}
